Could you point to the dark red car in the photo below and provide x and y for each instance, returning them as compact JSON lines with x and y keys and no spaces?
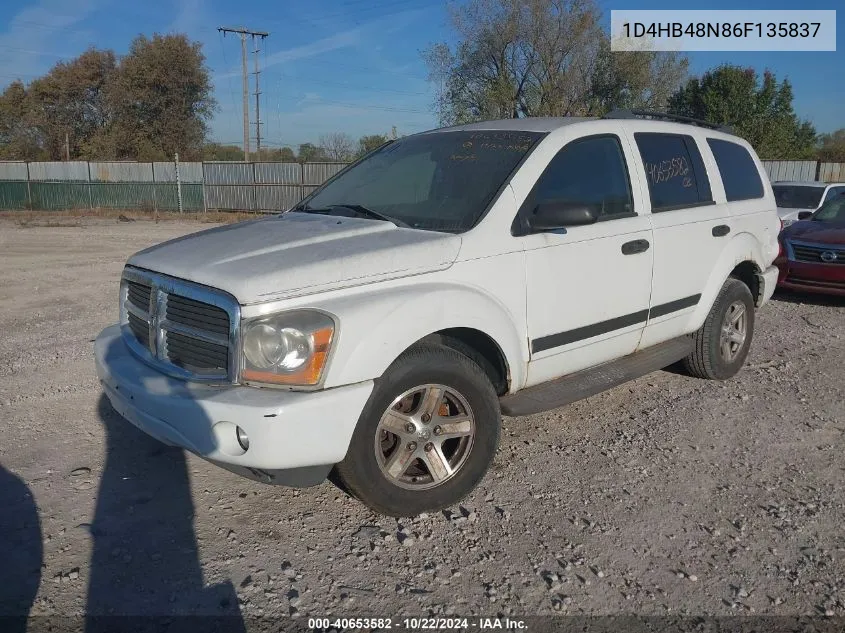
{"x":812,"y":251}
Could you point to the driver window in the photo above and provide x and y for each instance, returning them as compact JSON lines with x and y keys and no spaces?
{"x":589,"y":171}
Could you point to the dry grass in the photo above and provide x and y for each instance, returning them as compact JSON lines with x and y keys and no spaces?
{"x":80,"y":217}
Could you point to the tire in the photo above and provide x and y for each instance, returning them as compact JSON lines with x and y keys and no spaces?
{"x":400,"y":473}
{"x":710,"y":357}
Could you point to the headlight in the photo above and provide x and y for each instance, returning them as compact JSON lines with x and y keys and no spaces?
{"x":788,"y":222}
{"x":289,"y":348}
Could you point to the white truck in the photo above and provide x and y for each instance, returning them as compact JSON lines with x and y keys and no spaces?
{"x":382,"y":327}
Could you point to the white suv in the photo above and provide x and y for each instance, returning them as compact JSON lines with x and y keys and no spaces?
{"x":799,"y":200}
{"x":383,"y":326}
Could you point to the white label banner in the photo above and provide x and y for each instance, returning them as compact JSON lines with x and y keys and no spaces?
{"x":693,"y":30}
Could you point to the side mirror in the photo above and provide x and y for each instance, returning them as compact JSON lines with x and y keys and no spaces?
{"x":805,"y":215}
{"x":549,"y":216}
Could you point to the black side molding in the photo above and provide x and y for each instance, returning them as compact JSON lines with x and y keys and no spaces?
{"x":673,"y":306}
{"x":588,"y":331}
{"x":589,"y":382}
{"x":603,"y":327}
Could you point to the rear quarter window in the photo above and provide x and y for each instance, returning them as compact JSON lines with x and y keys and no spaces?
{"x":737,"y":169}
{"x":675,"y":171}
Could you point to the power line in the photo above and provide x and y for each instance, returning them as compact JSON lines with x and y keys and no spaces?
{"x":32,"y":52}
{"x":228,"y":77}
{"x":372,"y":11}
{"x":370,"y":107}
{"x":353,"y":86}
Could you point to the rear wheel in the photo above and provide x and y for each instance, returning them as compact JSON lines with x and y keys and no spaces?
{"x":722,"y":344}
{"x":426,"y":436}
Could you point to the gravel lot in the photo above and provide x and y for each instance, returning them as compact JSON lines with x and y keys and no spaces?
{"x":668,"y":495}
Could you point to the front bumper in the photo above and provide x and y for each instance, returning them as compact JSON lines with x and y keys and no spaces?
{"x":820,"y":278}
{"x":294,"y":437}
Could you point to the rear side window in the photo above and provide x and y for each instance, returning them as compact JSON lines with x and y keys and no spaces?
{"x":739,"y":173}
{"x":674,"y":170}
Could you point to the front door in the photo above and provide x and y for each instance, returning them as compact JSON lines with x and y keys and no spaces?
{"x":588,"y":286}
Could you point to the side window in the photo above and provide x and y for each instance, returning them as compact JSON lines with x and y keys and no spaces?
{"x":590,"y":171}
{"x":675,"y":172}
{"x":737,"y":169}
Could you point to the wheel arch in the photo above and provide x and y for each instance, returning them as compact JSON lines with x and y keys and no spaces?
{"x":741,"y":259}
{"x":376,"y":328}
{"x":478,"y":347}
{"x":749,"y":273}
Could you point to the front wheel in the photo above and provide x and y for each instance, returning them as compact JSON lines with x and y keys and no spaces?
{"x":426,"y":436}
{"x":722,"y":344}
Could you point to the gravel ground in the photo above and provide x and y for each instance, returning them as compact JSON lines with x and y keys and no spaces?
{"x":668,"y":495}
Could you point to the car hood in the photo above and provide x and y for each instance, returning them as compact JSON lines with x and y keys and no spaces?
{"x":296,"y":254}
{"x":785,"y":212}
{"x":819,"y":232}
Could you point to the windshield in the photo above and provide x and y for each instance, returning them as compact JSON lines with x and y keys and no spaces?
{"x":832,"y":211}
{"x":797,"y":196}
{"x":441,"y":182}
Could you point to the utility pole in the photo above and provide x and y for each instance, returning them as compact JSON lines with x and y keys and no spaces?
{"x":257,"y":105}
{"x":67,"y":146}
{"x":243,"y":32}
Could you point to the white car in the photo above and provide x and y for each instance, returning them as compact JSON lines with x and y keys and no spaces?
{"x":799,"y":200}
{"x":383,"y":326}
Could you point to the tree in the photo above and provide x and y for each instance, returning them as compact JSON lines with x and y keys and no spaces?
{"x":337,"y":146}
{"x":832,"y":147}
{"x":366,"y":144}
{"x":758,"y":110}
{"x":18,"y":135}
{"x":286,"y":155}
{"x":161,"y":101}
{"x":519,"y":58}
{"x":150,"y":104}
{"x":219,"y":152}
{"x":639,"y":80}
{"x":310,"y":153}
{"x":70,"y":100}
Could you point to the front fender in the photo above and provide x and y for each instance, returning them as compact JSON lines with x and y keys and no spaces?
{"x":377,"y":326}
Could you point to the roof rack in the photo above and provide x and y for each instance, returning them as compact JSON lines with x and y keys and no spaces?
{"x":650,"y":114}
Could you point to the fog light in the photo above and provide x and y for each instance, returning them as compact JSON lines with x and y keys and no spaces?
{"x":243,"y":439}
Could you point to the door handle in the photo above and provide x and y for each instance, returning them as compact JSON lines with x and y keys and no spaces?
{"x":637,"y":246}
{"x":721,"y":230}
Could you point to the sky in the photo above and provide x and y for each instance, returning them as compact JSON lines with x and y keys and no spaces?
{"x":351,"y":66}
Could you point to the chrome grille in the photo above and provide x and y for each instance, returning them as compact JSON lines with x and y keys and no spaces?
{"x":185,"y":329}
{"x":196,"y":355}
{"x":197,"y":314}
{"x":803,"y":252}
{"x":139,"y":295}
{"x":141,"y":329}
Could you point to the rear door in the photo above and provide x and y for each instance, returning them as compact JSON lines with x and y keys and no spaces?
{"x":690,"y":228}
{"x":750,"y":202}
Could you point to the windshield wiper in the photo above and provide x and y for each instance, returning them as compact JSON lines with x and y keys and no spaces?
{"x":356,"y":208}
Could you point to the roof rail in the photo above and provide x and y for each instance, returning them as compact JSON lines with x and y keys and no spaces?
{"x":650,"y":114}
